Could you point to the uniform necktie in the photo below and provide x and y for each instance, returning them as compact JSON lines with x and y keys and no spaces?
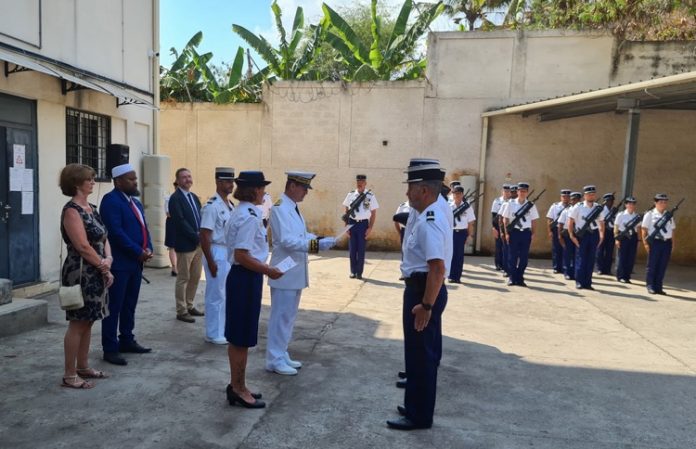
{"x":143,"y":229}
{"x":196,"y":215}
{"x":298,"y":211}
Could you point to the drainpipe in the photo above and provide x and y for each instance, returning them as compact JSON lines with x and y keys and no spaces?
{"x":155,"y":75}
{"x":482,"y":183}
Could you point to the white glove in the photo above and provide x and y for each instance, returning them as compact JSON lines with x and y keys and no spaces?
{"x":311,"y":236}
{"x":326,"y":243}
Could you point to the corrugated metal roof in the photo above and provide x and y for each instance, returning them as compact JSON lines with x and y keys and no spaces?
{"x":668,"y":92}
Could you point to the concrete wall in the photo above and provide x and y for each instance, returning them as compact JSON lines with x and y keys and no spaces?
{"x":339,"y":131}
{"x":112,"y":38}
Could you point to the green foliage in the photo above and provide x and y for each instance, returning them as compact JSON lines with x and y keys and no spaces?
{"x":476,"y":11}
{"x":368,"y":59}
{"x":627,"y":19}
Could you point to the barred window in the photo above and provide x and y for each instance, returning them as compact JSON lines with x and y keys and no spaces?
{"x":87,"y":136}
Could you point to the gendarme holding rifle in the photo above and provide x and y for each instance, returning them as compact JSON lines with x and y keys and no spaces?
{"x":518,"y":220}
{"x":657,"y":232}
{"x":361,"y":211}
{"x":586,"y":229}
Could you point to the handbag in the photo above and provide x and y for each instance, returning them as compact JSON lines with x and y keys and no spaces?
{"x":71,"y":297}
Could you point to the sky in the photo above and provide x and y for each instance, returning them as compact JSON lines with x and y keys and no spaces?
{"x":181,"y":19}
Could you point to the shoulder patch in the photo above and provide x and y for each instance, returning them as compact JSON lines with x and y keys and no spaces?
{"x":430,"y":215}
{"x":252,"y":212}
{"x":279,"y":202}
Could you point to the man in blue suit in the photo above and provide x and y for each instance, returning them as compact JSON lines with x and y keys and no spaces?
{"x":131,"y":247}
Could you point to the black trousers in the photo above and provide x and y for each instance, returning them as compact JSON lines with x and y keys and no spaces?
{"x":423,"y":351}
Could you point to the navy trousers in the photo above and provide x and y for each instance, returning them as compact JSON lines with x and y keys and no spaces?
{"x":658,"y":258}
{"x":498,"y":251}
{"x":123,"y":298}
{"x":457,"y":265}
{"x":605,"y":252}
{"x":627,"y":258}
{"x":518,"y":254}
{"x":568,"y":258}
{"x":356,"y":247}
{"x":585,"y":259}
{"x":556,"y":251}
{"x":422,"y":351}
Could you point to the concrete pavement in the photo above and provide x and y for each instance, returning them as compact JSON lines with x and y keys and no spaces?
{"x":543,"y":367}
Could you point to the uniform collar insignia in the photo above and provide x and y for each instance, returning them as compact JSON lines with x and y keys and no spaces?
{"x":252,"y":212}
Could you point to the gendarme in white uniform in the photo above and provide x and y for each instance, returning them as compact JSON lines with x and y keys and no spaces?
{"x":582,"y":210}
{"x":290,"y":239}
{"x":266,"y":206}
{"x":428,"y":236}
{"x":403,"y":208}
{"x":497,"y":204}
{"x":609,"y":224}
{"x":555,"y":211}
{"x":215,"y":215}
{"x":245,"y":231}
{"x":364,"y":211}
{"x":650,"y":220}
{"x":462,"y":222}
{"x":511,"y":207}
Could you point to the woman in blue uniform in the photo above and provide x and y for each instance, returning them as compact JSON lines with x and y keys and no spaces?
{"x":246,"y":240}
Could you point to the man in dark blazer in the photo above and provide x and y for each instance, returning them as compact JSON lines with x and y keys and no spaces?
{"x":185,"y":212}
{"x":131,"y":247}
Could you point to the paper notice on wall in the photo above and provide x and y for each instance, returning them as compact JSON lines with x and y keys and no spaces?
{"x":19,"y":156}
{"x":27,"y":203}
{"x":16,"y":179}
{"x":28,"y":180}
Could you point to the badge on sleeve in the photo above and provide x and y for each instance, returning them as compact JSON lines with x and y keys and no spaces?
{"x":252,"y":212}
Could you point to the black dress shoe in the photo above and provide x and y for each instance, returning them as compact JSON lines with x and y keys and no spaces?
{"x":662,"y":292}
{"x":623,"y":281}
{"x":230,"y":394}
{"x":195,"y":312}
{"x":401,"y":383}
{"x":567,"y":278}
{"x":510,"y":283}
{"x":401,"y":409}
{"x":401,"y":374}
{"x":522,"y":284}
{"x":404,"y":423}
{"x":234,"y":398}
{"x":589,"y":288}
{"x":134,"y":347}
{"x":114,"y":358}
{"x":352,"y":275}
{"x":578,"y":286}
{"x":652,"y":292}
{"x":358,"y":276}
{"x":186,"y":318}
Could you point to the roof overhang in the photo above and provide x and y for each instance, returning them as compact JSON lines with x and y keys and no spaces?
{"x":669,"y":92}
{"x":25,"y":60}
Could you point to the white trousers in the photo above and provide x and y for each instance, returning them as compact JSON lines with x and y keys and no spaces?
{"x":215,"y":294}
{"x":284,"y":305}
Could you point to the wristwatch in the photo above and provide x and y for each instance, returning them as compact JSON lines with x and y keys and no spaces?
{"x":426,"y":306}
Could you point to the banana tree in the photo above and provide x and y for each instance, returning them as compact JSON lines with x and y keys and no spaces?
{"x":182,"y":81}
{"x":292,"y":59}
{"x":369,"y":60}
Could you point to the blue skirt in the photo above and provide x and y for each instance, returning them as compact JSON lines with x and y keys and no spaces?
{"x":243,"y":306}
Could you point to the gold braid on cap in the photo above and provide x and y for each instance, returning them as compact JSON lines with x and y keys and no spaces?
{"x":314,"y":246}
{"x":299,"y":179}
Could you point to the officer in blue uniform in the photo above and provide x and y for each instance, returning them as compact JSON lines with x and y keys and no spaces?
{"x":463,"y":228}
{"x":495,"y":208}
{"x":568,"y":246}
{"x":363,"y":219}
{"x":626,"y":240}
{"x":660,"y":250}
{"x":605,"y":252}
{"x":519,"y":238}
{"x":586,"y":246}
{"x":503,"y":231}
{"x":552,"y":217}
{"x":427,"y":252}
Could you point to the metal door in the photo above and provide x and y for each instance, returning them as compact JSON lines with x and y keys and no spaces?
{"x":19,"y":242}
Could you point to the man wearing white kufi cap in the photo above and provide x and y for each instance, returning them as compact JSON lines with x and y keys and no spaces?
{"x":131,"y":247}
{"x":290,"y":239}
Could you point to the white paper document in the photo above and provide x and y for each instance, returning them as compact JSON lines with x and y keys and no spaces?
{"x":27,"y":203}
{"x":28,"y":180}
{"x":16,"y":179}
{"x":343,"y":231}
{"x":286,"y":264}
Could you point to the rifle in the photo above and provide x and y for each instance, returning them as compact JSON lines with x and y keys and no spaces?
{"x":611,"y":216}
{"x":354,"y":206}
{"x":629,"y":230}
{"x":661,"y":223}
{"x":465,"y":206}
{"x":554,"y":223}
{"x":519,"y":215}
{"x":590,"y":218}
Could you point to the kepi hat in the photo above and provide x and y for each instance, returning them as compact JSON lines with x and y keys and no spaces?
{"x":225,"y":173}
{"x":301,"y":177}
{"x":422,"y":169}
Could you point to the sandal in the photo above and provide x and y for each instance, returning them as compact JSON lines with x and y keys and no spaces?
{"x":76,"y":382}
{"x":91,"y":373}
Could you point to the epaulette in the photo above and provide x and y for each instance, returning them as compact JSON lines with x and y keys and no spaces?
{"x":430,"y":215}
{"x":253,"y":212}
{"x":277,"y":203}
